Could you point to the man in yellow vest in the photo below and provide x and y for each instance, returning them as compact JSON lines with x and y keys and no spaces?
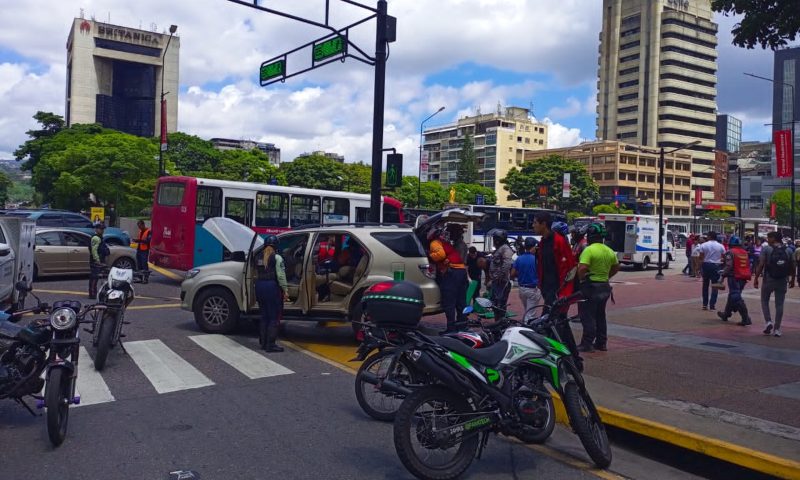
{"x":143,"y":247}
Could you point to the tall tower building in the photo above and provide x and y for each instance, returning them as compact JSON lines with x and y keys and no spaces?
{"x":786,"y":109}
{"x":115,"y":75}
{"x":657,"y":81}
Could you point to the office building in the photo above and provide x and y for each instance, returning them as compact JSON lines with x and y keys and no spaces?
{"x":273,"y":152}
{"x":657,"y":82}
{"x":332,"y":155}
{"x":500,"y":139}
{"x":114,"y":77}
{"x":786,"y":109}
{"x":626,"y":173}
{"x":729,"y":133}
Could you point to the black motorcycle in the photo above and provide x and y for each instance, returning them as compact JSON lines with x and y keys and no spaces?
{"x":45,"y":345}
{"x":115,"y":295}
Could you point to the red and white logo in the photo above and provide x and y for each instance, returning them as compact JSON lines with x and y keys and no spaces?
{"x":86,"y":27}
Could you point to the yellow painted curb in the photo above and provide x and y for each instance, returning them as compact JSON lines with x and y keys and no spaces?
{"x":166,"y":273}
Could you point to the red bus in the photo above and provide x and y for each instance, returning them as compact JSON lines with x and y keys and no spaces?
{"x":182,"y":204}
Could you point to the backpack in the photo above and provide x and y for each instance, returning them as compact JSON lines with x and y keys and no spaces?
{"x":778,"y":264}
{"x":741,"y":264}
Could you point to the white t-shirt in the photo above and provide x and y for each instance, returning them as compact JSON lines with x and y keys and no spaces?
{"x":712,"y":251}
{"x":696,"y":249}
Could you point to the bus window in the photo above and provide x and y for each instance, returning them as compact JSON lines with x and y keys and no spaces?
{"x":391,"y":214}
{"x":171,"y":194}
{"x":209,"y":203}
{"x":335,"y":210}
{"x":519,"y":220}
{"x":239,"y":209}
{"x":272,"y":209}
{"x":504,"y":219}
{"x":305,"y":210}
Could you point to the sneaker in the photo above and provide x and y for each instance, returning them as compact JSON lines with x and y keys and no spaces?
{"x":768,"y":329}
{"x":705,"y":307}
{"x":585,"y":348}
{"x":722,"y":316}
{"x":712,"y":308}
{"x":601,"y":346}
{"x":777,"y":332}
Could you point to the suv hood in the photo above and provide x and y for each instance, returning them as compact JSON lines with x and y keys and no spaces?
{"x":233,"y":235}
{"x":454,"y":215}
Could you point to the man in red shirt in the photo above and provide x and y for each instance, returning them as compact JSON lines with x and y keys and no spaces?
{"x":451,"y":275}
{"x":555,"y":257}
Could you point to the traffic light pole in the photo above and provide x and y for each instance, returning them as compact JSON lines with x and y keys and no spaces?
{"x":377,"y":113}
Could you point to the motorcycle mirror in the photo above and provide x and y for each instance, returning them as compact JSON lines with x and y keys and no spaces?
{"x":23,"y":287}
{"x":468,"y":310}
{"x":484,"y":302}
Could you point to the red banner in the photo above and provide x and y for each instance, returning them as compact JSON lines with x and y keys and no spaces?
{"x":163,"y":124}
{"x":783,"y":153}
{"x":698,"y":196}
{"x":773,"y":210}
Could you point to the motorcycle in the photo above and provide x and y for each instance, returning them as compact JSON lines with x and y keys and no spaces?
{"x":48,"y":346}
{"x":490,"y":390}
{"x":115,"y":295}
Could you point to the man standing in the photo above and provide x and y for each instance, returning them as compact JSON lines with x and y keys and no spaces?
{"x":597,"y":265}
{"x":500,"y":273}
{"x":456,"y":233}
{"x":687,"y":270}
{"x":524,"y":271}
{"x":554,"y":260}
{"x":98,"y":251}
{"x":797,"y":256}
{"x":711,"y":253}
{"x":777,"y":266}
{"x":737,"y":271}
{"x":143,"y":246}
{"x":451,"y":275}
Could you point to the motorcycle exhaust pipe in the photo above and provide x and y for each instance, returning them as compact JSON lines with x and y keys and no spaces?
{"x":385,"y":385}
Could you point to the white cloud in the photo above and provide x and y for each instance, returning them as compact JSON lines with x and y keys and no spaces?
{"x":560,"y":136}
{"x":572,"y":108}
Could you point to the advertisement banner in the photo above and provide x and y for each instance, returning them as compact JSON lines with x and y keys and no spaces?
{"x":566,"y":186}
{"x":423,"y":167}
{"x":783,"y":153}
{"x":773,"y":210}
{"x":98,"y":214}
{"x":698,"y":196}
{"x":164,"y":125}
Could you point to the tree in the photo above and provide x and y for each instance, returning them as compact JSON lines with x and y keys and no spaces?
{"x":465,"y":193}
{"x":432,"y":194}
{"x":5,"y":186}
{"x":191,"y":155}
{"x":31,"y":150}
{"x":783,"y":206}
{"x":467,"y":165}
{"x":549,"y":171}
{"x":315,"y":171}
{"x":247,"y":166}
{"x":609,"y":208}
{"x":357,"y":177}
{"x":765,"y":22}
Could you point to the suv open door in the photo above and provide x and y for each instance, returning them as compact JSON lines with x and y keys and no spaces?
{"x":463,"y":216}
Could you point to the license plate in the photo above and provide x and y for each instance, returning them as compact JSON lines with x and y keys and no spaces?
{"x":383,"y":368}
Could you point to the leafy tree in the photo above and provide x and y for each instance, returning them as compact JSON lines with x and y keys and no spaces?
{"x":718,"y":214}
{"x":572,"y":216}
{"x":357,"y":177}
{"x":20,"y":192}
{"x":248,"y":166}
{"x":769,"y":23}
{"x":5,"y":186}
{"x":31,"y":150}
{"x":467,"y":164}
{"x":549,"y":171}
{"x":783,"y":206}
{"x":191,"y":155}
{"x":609,"y":208}
{"x":315,"y":171}
{"x":432,"y":194}
{"x":465,"y":193}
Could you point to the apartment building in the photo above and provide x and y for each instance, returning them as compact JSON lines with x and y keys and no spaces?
{"x":272,"y":152}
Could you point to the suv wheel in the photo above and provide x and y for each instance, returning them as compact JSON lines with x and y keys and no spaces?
{"x":216,"y":311}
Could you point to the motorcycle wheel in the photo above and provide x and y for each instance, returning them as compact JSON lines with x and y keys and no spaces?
{"x":108,"y":324}
{"x":426,"y":408}
{"x":582,"y":416}
{"x":530,"y":434}
{"x":381,"y":405}
{"x":56,"y":402}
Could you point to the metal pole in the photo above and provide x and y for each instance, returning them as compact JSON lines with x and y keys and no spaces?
{"x":419,"y":183}
{"x":377,"y":114}
{"x":660,"y":274}
{"x":739,"y":194}
{"x":162,"y":144}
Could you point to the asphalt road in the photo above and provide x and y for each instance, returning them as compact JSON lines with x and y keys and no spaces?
{"x":182,"y":400}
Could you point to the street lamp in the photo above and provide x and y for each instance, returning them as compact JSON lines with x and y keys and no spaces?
{"x":793,"y":121}
{"x":163,"y":142}
{"x":419,"y":183}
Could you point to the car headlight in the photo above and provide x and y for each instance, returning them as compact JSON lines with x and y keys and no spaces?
{"x":192,"y":273}
{"x":63,"y":318}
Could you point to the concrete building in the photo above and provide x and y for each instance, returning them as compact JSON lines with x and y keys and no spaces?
{"x":753,"y":164}
{"x":114,"y":77}
{"x":273,"y":152}
{"x":729,"y":133}
{"x":333,"y":156}
{"x":785,"y":109}
{"x":629,"y":175}
{"x":657,"y":82}
{"x":500,"y":139}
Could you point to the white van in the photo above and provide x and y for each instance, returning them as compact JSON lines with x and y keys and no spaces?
{"x":635,"y":239}
{"x":17,"y":237}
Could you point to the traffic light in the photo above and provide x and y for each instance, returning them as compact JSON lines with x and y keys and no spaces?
{"x":394,"y":170}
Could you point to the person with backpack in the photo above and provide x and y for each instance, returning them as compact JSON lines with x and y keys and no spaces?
{"x":737,"y":271}
{"x":98,"y":252}
{"x":778,"y":268}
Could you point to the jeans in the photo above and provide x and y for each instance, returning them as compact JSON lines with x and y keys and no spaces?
{"x":710,"y":275}
{"x":530,"y":297}
{"x":779,"y":288}
{"x":593,"y":314}
{"x":142,"y":257}
{"x":735,"y":301}
{"x":687,"y":270}
{"x":270,"y":301}
{"x":453,"y":288}
{"x":500,"y":291}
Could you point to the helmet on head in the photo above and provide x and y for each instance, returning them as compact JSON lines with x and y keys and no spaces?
{"x":734,"y":241}
{"x":596,"y":230}
{"x":499,"y":236}
{"x":561,"y":228}
{"x":436,"y":232}
{"x":530,"y":242}
{"x":271,"y":241}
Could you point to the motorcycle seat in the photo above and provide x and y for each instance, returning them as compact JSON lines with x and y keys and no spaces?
{"x":489,"y":356}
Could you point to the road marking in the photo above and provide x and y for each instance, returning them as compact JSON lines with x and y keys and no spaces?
{"x":250,"y":363}
{"x":150,"y":307}
{"x":81,"y":294}
{"x":321,"y":358}
{"x":91,"y":386}
{"x":166,"y":273}
{"x":165,"y":369}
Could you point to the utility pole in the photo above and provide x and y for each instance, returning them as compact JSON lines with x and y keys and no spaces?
{"x":377,"y":113}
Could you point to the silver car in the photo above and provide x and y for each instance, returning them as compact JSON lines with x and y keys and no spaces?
{"x":61,"y":251}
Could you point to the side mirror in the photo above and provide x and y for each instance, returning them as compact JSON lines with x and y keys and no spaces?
{"x":468,"y":310}
{"x":484,"y":302}
{"x":238,"y":256}
{"x":5,"y":250}
{"x":23,"y":287}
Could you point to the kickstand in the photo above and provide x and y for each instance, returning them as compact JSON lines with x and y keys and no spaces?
{"x":484,"y":440}
{"x":27,"y":407}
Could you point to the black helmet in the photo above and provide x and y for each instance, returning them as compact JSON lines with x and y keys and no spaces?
{"x":271,"y":241}
{"x":596,"y":230}
{"x":499,"y":236}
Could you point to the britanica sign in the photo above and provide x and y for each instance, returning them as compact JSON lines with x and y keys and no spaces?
{"x":125,"y":35}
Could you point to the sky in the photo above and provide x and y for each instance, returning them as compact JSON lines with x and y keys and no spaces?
{"x":464,"y":55}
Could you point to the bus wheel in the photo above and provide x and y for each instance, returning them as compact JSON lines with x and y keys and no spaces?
{"x":216,"y":311}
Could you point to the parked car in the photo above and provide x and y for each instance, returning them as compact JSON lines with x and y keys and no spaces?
{"x":71,"y":220}
{"x":62,"y":251}
{"x":16,"y":258}
{"x":327,"y":268}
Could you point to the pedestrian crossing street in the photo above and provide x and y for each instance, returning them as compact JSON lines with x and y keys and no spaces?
{"x":169,"y":372}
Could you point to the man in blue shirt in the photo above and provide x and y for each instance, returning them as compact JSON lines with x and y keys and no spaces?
{"x":524,"y":271}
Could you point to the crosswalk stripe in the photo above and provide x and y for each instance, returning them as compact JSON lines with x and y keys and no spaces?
{"x":250,"y":363}
{"x":91,"y":386}
{"x":165,"y":369}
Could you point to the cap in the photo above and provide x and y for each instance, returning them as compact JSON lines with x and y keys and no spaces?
{"x":100,"y":225}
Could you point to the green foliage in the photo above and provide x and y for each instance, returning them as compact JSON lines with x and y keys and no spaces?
{"x":190,"y":155}
{"x":718,"y":214}
{"x":20,"y":192}
{"x":358,"y":177}
{"x":783,"y":206}
{"x":315,"y":171}
{"x":5,"y":186}
{"x":764,"y":22}
{"x":465,"y":193}
{"x":432,"y":194}
{"x":572,"y":216}
{"x":524,"y":183}
{"x":609,"y":208}
{"x":467,"y":164}
{"x":31,"y":151}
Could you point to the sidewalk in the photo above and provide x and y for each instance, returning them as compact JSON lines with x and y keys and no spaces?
{"x":679,"y":374}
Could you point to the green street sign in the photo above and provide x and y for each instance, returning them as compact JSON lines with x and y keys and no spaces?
{"x":272,"y":70}
{"x":330,"y":48}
